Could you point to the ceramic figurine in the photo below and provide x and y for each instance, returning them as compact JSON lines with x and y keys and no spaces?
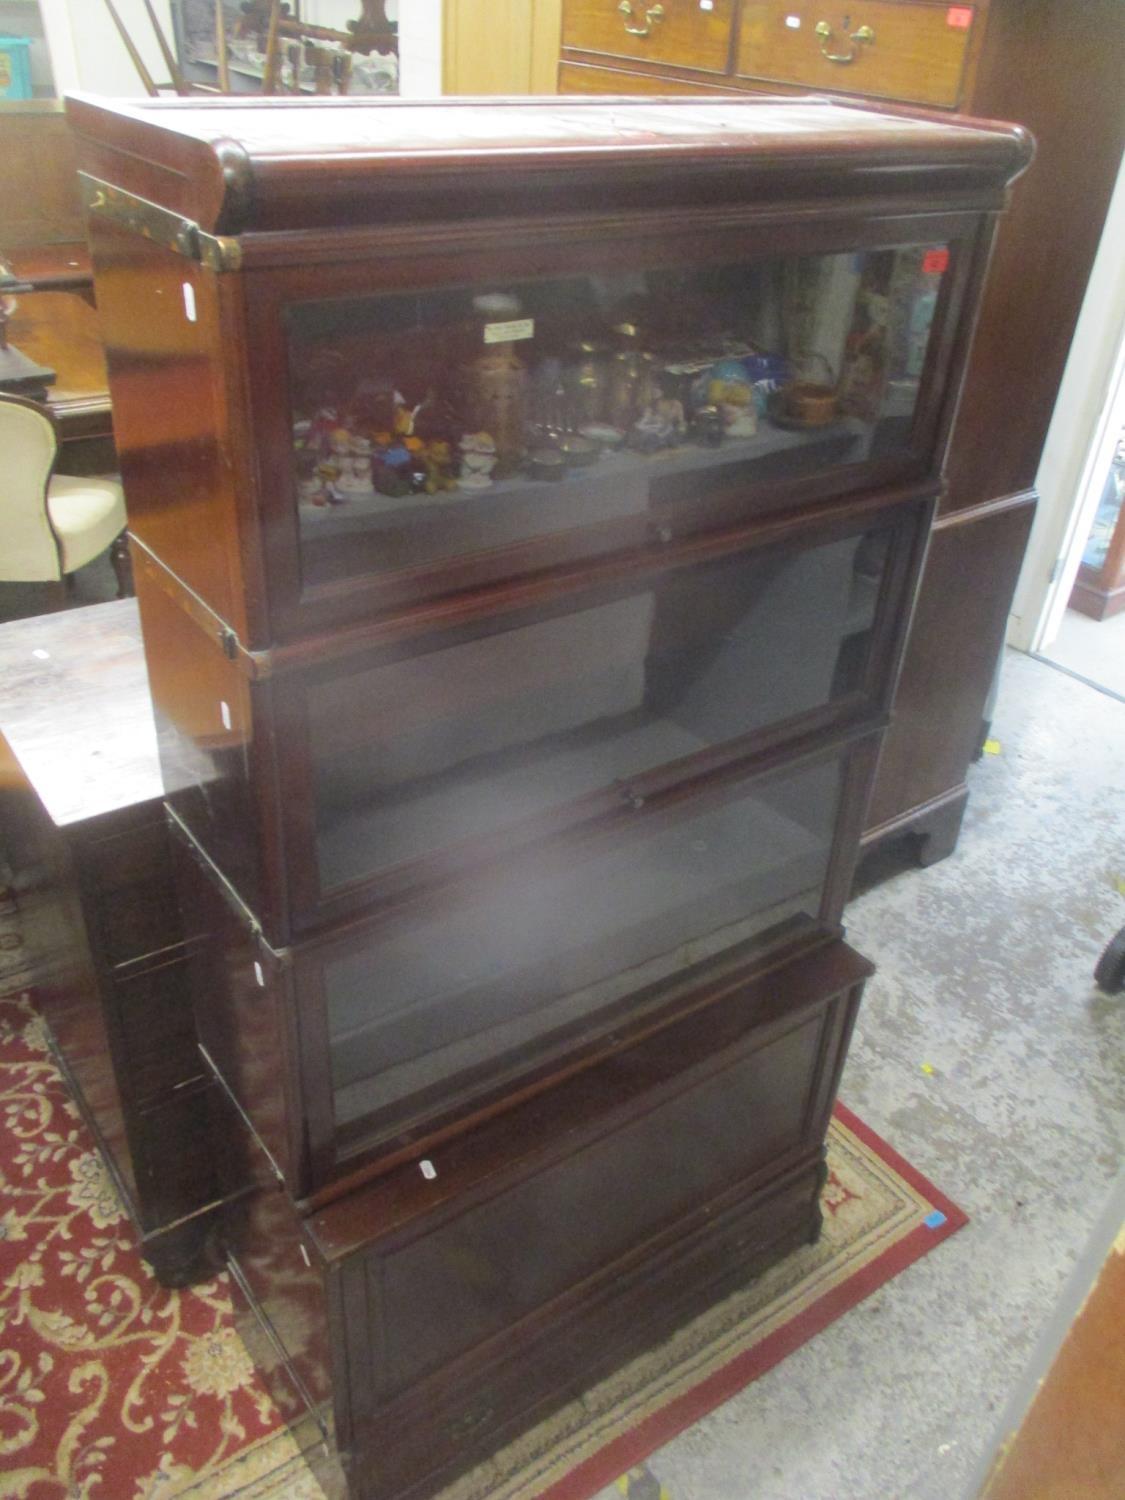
{"x":327,"y":473}
{"x":309,"y":483}
{"x":660,"y":425}
{"x":438,"y":459}
{"x":355,"y":481}
{"x":318,"y":436}
{"x":707,"y":426}
{"x":730,"y":388}
{"x":478,"y":459}
{"x":373,"y":406}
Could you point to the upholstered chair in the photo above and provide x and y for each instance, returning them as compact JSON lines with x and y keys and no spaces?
{"x":51,"y":524}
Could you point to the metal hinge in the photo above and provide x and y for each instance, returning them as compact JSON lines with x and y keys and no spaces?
{"x":160,"y":225}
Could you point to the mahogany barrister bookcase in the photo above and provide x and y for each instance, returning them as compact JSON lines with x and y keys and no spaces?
{"x":527,"y":504}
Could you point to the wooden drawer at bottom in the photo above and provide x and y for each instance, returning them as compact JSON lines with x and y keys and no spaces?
{"x":432,"y":1315}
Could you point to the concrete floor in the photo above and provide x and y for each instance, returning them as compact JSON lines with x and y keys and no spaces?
{"x":985,"y":964}
{"x":1095,"y":649}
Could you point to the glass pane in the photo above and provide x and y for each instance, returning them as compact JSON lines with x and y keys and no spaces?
{"x":415,"y":755}
{"x":565,"y":939}
{"x":432,"y":425}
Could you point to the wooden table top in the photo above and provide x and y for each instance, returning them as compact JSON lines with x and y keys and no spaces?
{"x":76,"y":711}
{"x":60,"y":329}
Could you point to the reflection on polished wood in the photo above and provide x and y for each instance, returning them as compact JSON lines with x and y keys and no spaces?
{"x":100,"y":755}
{"x":60,"y":329}
{"x":56,"y":268}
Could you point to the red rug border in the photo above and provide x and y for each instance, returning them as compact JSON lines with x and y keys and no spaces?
{"x":632,"y":1448}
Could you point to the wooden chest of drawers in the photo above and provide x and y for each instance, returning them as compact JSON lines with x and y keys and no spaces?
{"x":84,"y":833}
{"x":917,"y":51}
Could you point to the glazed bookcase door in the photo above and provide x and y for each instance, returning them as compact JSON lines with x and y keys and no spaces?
{"x":424,"y":760}
{"x":433,"y":1013}
{"x":472,"y":418}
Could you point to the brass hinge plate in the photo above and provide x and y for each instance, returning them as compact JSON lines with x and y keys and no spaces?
{"x":160,"y":225}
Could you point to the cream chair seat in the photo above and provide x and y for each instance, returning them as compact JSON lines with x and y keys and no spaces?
{"x":50,"y":525}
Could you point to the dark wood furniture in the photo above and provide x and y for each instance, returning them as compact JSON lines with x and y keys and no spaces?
{"x":84,"y":834}
{"x":39,"y":200}
{"x":1022,"y":60}
{"x":59,"y":328}
{"x":513,"y":819}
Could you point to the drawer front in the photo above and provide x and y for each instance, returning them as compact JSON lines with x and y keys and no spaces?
{"x":913,"y":52}
{"x":673,"y":31}
{"x":578,"y":78}
{"x":488,"y":1268}
{"x":127,"y":893}
{"x":156,"y":1030}
{"x":467,"y":1412}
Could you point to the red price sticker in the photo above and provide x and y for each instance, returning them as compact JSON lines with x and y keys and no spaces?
{"x":935,"y":261}
{"x":959,"y":16}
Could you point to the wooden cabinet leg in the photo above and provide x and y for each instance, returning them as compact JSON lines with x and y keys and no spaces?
{"x":937,"y":833}
{"x":122,"y":566}
{"x":182,"y":1255}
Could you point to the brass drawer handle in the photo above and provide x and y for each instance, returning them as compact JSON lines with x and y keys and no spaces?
{"x":824,"y":32}
{"x":652,"y":15}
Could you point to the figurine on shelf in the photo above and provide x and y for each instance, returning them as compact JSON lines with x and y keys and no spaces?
{"x":309,"y":483}
{"x":355,"y":481}
{"x":660,"y":425}
{"x":730,"y":388}
{"x":478,"y":459}
{"x":393,"y":470}
{"x":435,"y":418}
{"x":438,"y":459}
{"x":373,"y":407}
{"x":707,"y":426}
{"x":327,"y":472}
{"x":318,"y":432}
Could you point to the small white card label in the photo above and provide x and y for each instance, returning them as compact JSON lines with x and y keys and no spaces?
{"x":259,"y":976}
{"x":189,"y":302}
{"x":429,"y":1171}
{"x":793,"y":22}
{"x":707,"y":4}
{"x":508,"y":333}
{"x":224,"y":714}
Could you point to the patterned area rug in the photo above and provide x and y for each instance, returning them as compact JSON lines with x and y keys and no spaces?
{"x":113,"y":1388}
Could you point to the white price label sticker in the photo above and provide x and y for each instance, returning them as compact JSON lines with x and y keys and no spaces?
{"x":428,"y":1170}
{"x":259,"y":976}
{"x":510,"y":332}
{"x":793,"y":22}
{"x":224,"y":714}
{"x":189,"y":302}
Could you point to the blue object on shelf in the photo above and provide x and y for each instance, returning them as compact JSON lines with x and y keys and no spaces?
{"x":15,"y":67}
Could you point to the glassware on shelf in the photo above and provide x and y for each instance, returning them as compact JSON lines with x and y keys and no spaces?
{"x":496,"y":380}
